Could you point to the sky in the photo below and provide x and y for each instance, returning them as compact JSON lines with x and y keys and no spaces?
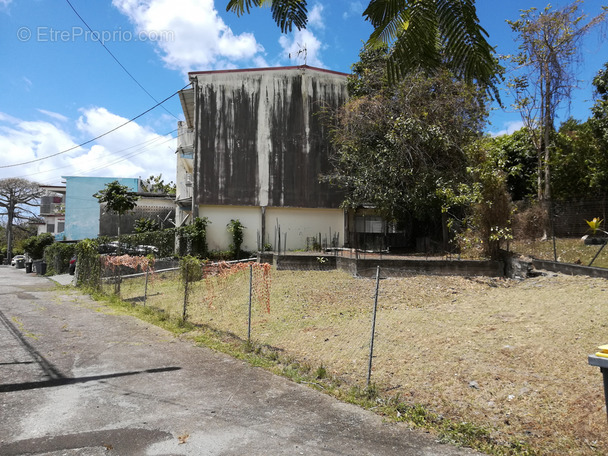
{"x":73,"y":70}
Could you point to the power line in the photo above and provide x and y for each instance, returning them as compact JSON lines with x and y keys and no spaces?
{"x":97,"y":137}
{"x":144,"y":147}
{"x":96,"y":35}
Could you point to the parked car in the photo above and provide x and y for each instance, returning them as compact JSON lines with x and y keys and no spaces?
{"x":72,"y":267}
{"x":17,"y":258}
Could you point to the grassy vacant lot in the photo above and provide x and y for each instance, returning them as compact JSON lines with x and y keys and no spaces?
{"x":568,"y":250}
{"x":507,"y":356}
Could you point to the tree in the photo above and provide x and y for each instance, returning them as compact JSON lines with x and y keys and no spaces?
{"x":156,"y":184}
{"x":119,"y":199}
{"x":548,"y":51}
{"x":428,"y":34}
{"x":480,"y":207}
{"x":34,"y":246}
{"x":17,"y":197}
{"x":579,"y":164}
{"x":146,"y":225}
{"x":396,"y":145}
{"x":519,"y":163}
{"x":599,"y":125}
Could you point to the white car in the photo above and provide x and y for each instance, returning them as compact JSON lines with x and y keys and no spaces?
{"x":16,"y":258}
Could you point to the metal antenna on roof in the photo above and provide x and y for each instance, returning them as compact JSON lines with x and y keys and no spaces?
{"x":301,"y":51}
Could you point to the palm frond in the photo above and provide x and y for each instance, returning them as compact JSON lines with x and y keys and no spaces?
{"x":432,"y":33}
{"x":286,"y":13}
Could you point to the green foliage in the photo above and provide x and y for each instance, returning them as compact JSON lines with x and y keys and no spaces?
{"x":520,"y":163}
{"x":145,"y":225}
{"x":35,"y":245}
{"x":163,"y":240}
{"x":579,"y":163}
{"x":193,"y":238}
{"x":89,"y":265}
{"x":118,"y":198}
{"x":57,"y":257}
{"x":190,"y":269}
{"x":235,"y":228}
{"x":156,"y":184}
{"x":396,"y":148}
{"x":484,"y":201}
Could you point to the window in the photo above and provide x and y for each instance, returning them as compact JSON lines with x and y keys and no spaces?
{"x":369,"y":224}
{"x":60,"y":227}
{"x":50,"y":227}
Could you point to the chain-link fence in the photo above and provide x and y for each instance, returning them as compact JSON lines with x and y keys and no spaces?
{"x":558,"y":231}
{"x":507,"y":356}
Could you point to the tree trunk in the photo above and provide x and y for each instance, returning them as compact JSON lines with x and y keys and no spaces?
{"x":547,"y":129}
{"x":9,"y":227}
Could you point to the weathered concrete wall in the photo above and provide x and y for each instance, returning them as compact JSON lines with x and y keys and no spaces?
{"x":299,"y":224}
{"x":388,"y":267}
{"x":570,"y":269}
{"x":261,"y":140}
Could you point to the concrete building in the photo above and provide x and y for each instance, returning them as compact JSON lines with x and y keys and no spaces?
{"x":82,"y":212}
{"x":259,"y":147}
{"x":52,"y":210}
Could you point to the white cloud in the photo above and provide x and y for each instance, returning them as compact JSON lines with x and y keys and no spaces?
{"x":194,"y":36}
{"x":302,"y":47}
{"x":53,"y":115}
{"x":354,"y":9}
{"x":131,"y":151}
{"x":509,"y":127}
{"x":315,"y":17}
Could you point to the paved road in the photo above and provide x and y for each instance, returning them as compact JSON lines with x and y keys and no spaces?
{"x":76,"y":379}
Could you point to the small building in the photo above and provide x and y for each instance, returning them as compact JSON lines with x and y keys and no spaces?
{"x":52,"y":210}
{"x":82,"y":211}
{"x":259,"y":147}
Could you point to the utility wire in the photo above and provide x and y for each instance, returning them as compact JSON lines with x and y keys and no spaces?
{"x":144,"y":147}
{"x":96,"y":35}
{"x":97,"y":137}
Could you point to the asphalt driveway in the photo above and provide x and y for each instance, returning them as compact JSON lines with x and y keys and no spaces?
{"x":76,"y":379}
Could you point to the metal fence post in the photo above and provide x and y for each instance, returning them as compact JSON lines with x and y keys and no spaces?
{"x":250,"y":294}
{"x":146,"y":287}
{"x":371,"y":344}
{"x":186,"y":282}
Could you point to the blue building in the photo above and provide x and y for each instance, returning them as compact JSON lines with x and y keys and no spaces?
{"x":82,"y":208}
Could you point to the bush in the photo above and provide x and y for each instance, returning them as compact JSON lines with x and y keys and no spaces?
{"x":235,"y":228}
{"x":34,"y":246}
{"x":530,"y":223}
{"x":193,"y":238}
{"x":57,"y":257}
{"x":89,"y":265}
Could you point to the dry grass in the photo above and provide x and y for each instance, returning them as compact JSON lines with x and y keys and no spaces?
{"x":569,"y":250}
{"x":507,"y":355}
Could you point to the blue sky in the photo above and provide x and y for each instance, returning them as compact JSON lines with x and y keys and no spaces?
{"x":61,"y":87}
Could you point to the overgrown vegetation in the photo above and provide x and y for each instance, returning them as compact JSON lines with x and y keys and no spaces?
{"x":57,"y":257}
{"x":35,"y":245}
{"x":235,"y":228}
{"x":89,"y":266}
{"x":193,"y":238}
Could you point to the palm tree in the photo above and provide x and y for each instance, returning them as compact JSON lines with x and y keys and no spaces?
{"x":424,"y":34}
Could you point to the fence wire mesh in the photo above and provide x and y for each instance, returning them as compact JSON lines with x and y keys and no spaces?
{"x":476,"y":349}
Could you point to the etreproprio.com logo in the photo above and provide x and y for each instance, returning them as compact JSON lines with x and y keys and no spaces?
{"x":52,"y":35}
